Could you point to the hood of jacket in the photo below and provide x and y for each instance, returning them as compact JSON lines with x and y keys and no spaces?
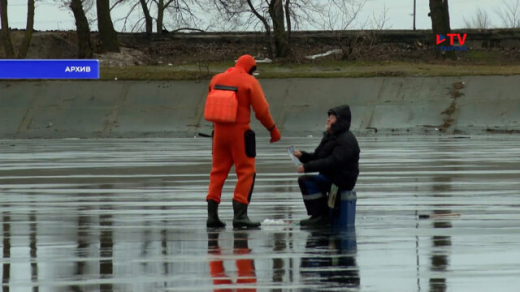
{"x":246,"y":63}
{"x":343,"y":116}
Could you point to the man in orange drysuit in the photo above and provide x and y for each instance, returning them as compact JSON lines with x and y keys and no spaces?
{"x":234,"y":143}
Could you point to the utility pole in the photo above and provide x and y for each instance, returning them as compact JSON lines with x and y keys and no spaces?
{"x":414,"y":9}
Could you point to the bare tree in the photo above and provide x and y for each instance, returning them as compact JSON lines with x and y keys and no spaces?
{"x":480,"y":20}
{"x":168,"y":15}
{"x":277,"y":17}
{"x":107,"y":33}
{"x":161,"y":6}
{"x":230,"y":13}
{"x":281,"y":37}
{"x":271,"y":15}
{"x":266,"y":24}
{"x":238,"y":14}
{"x":510,"y":13}
{"x":24,"y":48}
{"x":183,"y":15}
{"x":147,"y":17}
{"x":129,"y":15}
{"x":82,"y":29}
{"x":288,"y":20}
{"x":380,"y":21}
{"x":181,"y":12}
{"x":376,"y":24}
{"x":440,"y":16}
{"x":8,"y":45}
{"x":340,"y":17}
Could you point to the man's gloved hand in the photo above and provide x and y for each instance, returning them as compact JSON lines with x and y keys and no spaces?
{"x":275,"y":134}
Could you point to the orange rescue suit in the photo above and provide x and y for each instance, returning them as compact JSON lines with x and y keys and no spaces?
{"x":228,"y":138}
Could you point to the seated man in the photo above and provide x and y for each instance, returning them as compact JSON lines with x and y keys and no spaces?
{"x":335,"y":159}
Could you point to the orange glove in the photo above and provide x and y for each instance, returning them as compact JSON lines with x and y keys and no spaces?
{"x":275,"y":134}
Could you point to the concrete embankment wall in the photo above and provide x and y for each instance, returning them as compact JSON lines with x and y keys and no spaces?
{"x":380,"y":106}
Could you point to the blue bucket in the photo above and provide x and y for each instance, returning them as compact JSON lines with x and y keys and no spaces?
{"x":347,"y":210}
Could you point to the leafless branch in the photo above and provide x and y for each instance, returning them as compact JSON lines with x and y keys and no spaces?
{"x":480,"y":20}
{"x":380,"y":22}
{"x":510,"y":13}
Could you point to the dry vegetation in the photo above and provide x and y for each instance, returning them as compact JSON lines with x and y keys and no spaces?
{"x":172,"y":56}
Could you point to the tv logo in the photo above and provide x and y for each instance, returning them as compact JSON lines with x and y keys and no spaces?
{"x":452,"y":36}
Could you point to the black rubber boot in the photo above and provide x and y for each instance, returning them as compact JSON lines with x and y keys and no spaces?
{"x":213,"y":220}
{"x":240,"y":219}
{"x":315,"y":221}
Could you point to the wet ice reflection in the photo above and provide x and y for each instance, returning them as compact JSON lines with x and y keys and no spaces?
{"x":129,"y":215}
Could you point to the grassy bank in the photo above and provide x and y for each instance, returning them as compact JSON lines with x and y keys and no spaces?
{"x":324,"y":69}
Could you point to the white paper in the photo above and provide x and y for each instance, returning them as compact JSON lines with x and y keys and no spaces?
{"x":291,"y":154}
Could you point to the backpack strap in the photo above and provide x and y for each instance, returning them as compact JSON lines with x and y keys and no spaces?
{"x":225,"y":87}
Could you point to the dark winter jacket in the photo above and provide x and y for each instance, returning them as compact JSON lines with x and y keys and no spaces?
{"x":337,"y":156}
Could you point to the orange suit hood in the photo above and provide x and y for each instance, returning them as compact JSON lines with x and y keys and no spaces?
{"x":249,"y":94}
{"x":245,"y":64}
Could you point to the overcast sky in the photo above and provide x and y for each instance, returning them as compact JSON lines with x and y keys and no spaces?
{"x":50,"y":16}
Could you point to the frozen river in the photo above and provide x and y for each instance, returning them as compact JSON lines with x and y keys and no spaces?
{"x":129,"y":215}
